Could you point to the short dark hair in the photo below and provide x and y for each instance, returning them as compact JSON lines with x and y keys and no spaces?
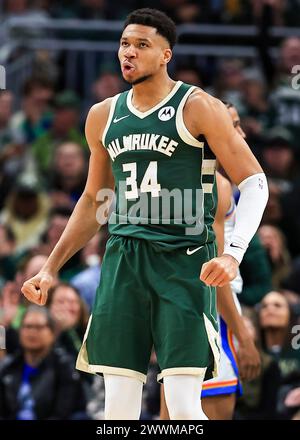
{"x":228,"y":104}
{"x":33,"y":308}
{"x":154,"y":18}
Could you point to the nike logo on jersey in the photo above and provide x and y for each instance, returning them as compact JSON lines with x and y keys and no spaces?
{"x":190,"y":252}
{"x":235,"y":246}
{"x":120,"y":119}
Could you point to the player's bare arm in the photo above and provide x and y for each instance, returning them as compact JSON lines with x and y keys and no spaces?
{"x":78,"y":232}
{"x":207,"y":115}
{"x":248,"y":356}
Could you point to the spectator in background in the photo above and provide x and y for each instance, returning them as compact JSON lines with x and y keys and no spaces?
{"x":189,"y":75}
{"x":184,"y":11}
{"x":12,"y":150}
{"x":11,"y":311}
{"x":229,"y":82}
{"x":188,"y":12}
{"x":92,"y":255}
{"x":278,"y":158}
{"x":68,"y":175}
{"x":274,"y":242}
{"x":39,"y":383}
{"x":64,"y":129}
{"x":87,"y":281}
{"x":28,"y":8}
{"x":109,"y":83}
{"x":57,"y":222}
{"x":288,"y":58}
{"x":13,"y":305}
{"x":284,"y":100}
{"x":26,"y":212}
{"x":258,"y":401}
{"x":256,"y":273}
{"x":254,"y":108}
{"x":273,"y":212}
{"x":35,"y":118}
{"x":92,"y":9}
{"x":70,"y":315}
{"x":58,"y":218}
{"x":276,"y":320}
{"x":278,"y":7}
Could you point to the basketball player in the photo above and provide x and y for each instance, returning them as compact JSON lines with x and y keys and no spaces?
{"x":145,"y":143}
{"x":219,"y":393}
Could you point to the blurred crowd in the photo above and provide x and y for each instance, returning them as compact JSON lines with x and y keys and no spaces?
{"x":43,"y":168}
{"x":286,"y":12}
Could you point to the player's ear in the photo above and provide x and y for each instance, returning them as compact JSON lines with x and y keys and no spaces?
{"x":167,"y":55}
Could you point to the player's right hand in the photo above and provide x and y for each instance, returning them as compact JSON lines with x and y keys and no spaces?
{"x":219,"y":271}
{"x":36,"y":288}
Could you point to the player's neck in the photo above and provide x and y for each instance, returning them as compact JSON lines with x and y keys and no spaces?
{"x":150,"y":92}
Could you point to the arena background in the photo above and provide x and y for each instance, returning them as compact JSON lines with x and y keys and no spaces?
{"x":57,"y":59}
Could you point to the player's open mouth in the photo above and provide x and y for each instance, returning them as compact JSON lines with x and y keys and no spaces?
{"x":127,"y":67}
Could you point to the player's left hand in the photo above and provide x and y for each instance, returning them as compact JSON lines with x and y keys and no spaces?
{"x":219,"y":271}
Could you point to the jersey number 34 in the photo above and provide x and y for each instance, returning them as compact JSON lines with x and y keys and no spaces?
{"x":148,"y":184}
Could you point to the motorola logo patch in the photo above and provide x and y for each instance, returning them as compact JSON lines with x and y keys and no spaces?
{"x":166,"y":113}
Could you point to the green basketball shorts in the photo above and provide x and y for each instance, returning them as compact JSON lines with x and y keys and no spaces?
{"x":152,"y":298}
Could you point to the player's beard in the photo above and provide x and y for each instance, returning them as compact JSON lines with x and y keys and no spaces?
{"x":140,"y":80}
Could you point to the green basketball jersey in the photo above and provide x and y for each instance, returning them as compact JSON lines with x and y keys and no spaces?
{"x":164,"y":177}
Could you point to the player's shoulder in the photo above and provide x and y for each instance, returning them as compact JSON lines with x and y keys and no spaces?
{"x":96,"y":121}
{"x":200,"y":99}
{"x":98,"y":115}
{"x":203,"y":112}
{"x":101,"y":108}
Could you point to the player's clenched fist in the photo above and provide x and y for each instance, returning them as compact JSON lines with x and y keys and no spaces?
{"x":219,"y":271}
{"x":36,"y":288}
